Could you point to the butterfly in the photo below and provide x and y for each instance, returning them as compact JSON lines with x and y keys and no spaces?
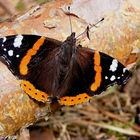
{"x":64,"y":72}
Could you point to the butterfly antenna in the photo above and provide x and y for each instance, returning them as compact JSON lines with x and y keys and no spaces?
{"x":88,"y":28}
{"x":70,"y":19}
{"x":87,"y":32}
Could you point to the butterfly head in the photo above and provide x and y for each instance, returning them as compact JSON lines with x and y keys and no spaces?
{"x":71,"y":39}
{"x":67,"y":48}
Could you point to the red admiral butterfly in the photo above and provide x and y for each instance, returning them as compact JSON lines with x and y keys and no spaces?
{"x":51,"y":70}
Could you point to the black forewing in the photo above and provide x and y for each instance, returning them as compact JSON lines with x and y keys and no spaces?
{"x":86,"y":61}
{"x":121,"y":74}
{"x":27,"y":41}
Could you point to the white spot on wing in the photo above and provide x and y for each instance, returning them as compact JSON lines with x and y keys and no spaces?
{"x":118,"y":77}
{"x":17,"y":55}
{"x":4,"y":39}
{"x":114,"y":65}
{"x":10,"y":52}
{"x":112,"y":78}
{"x":124,"y":70}
{"x":18,"y":41}
{"x":106,"y":77}
{"x":5,"y":49}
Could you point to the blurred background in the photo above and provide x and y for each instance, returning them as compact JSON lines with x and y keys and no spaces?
{"x":114,"y":115}
{"x":13,"y":7}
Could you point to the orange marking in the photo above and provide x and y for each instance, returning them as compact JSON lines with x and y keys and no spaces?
{"x":23,"y":68}
{"x":74,"y":100}
{"x":33,"y":92}
{"x":98,"y":70}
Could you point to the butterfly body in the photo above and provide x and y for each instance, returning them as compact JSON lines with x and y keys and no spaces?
{"x":65,"y":72}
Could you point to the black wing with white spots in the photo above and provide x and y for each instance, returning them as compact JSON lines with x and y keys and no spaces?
{"x":14,"y":48}
{"x":113,"y":72}
{"x":107,"y":72}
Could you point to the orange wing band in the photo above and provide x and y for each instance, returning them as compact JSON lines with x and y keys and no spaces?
{"x":33,"y":92}
{"x":23,"y":68}
{"x":74,"y":100}
{"x":98,"y":70}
